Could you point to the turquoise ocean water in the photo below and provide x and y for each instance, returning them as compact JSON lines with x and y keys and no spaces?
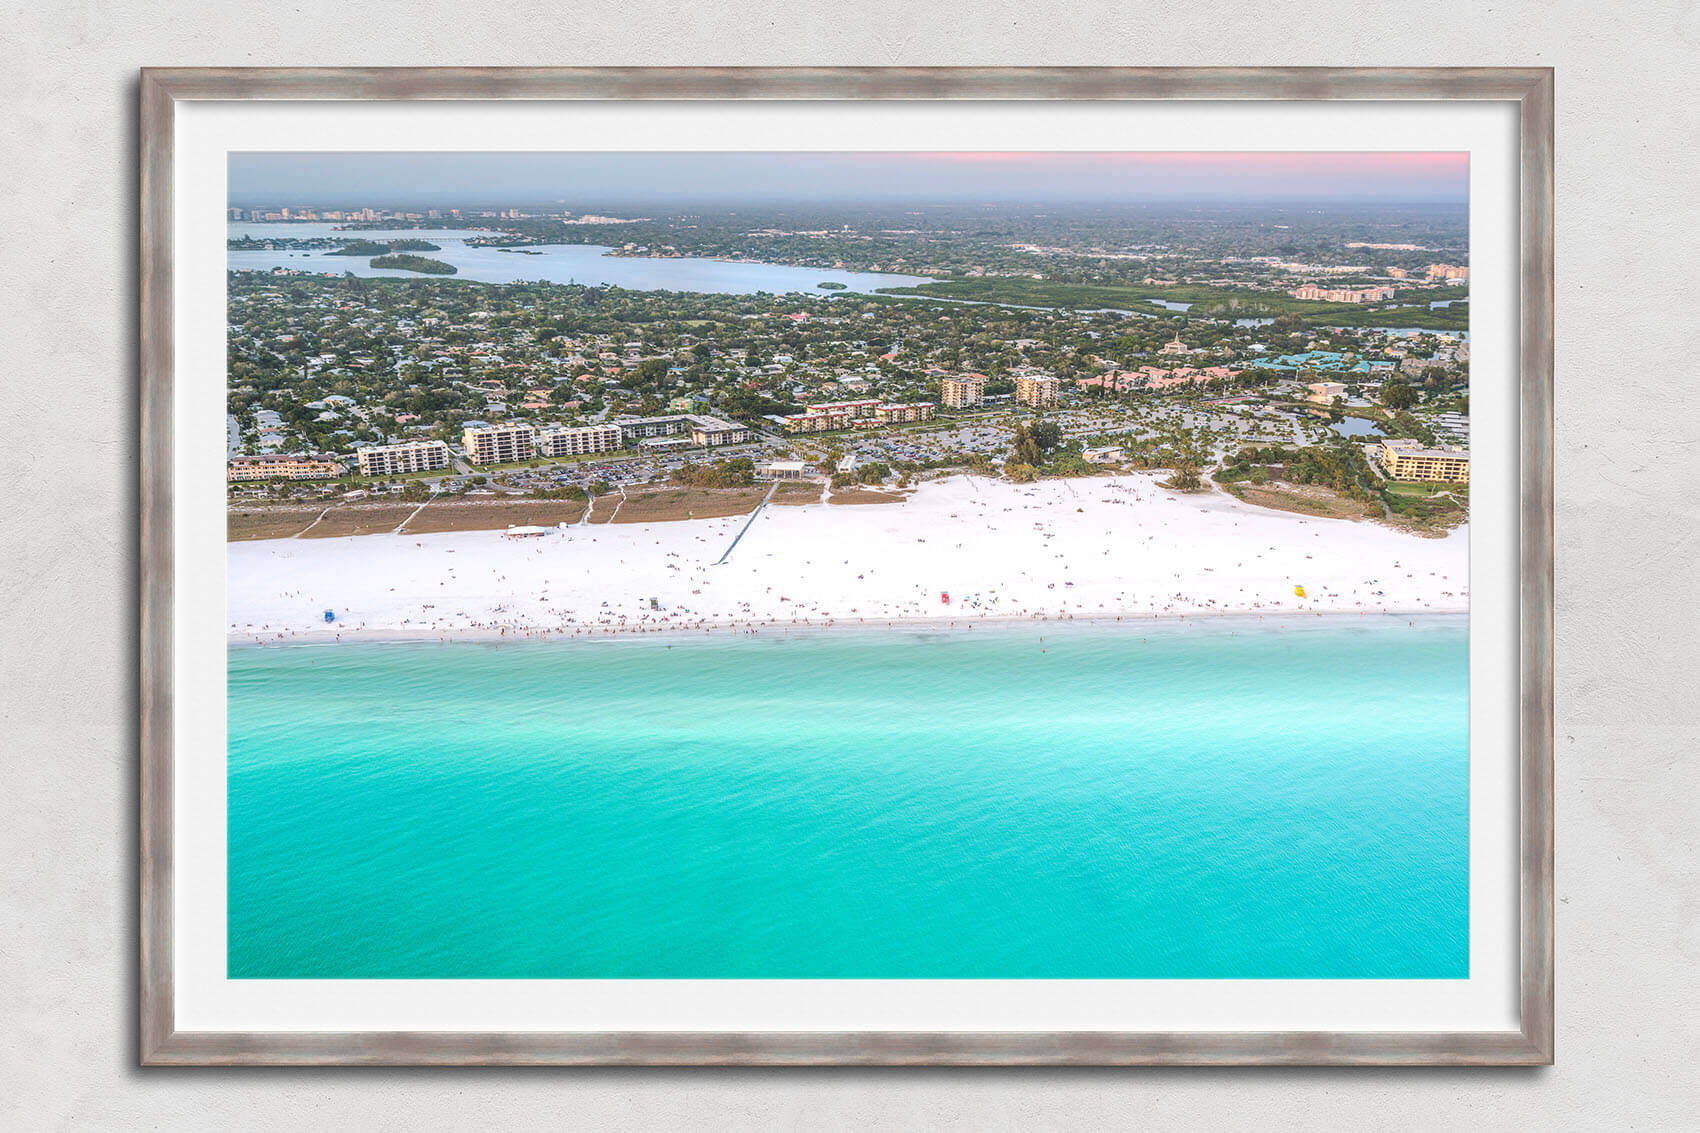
{"x":1214,"y":799}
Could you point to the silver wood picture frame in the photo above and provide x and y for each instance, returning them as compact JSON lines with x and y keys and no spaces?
{"x":163,"y":1043}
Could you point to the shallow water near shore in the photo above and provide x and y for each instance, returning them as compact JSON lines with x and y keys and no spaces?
{"x":1222,"y":798}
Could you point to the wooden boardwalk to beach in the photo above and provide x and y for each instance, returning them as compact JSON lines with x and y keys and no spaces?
{"x":739,"y":537}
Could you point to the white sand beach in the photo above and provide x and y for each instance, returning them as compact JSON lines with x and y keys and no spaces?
{"x":1089,"y":548}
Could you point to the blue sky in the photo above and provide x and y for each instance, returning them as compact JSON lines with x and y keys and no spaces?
{"x":343,"y":179}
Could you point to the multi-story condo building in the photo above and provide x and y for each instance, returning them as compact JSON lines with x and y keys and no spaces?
{"x":710,"y":431}
{"x":581,"y":441}
{"x":283,"y":466}
{"x":1037,"y":390}
{"x":852,"y":409}
{"x":1448,"y":272}
{"x":846,"y":415}
{"x":816,"y":422}
{"x":499,"y":444}
{"x":964,"y":391}
{"x":713,"y":431}
{"x":1405,"y":459}
{"x":638,"y":428}
{"x":1342,"y":294}
{"x":898,"y":414}
{"x":409,"y":456}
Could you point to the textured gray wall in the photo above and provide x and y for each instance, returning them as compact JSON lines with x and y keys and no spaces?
{"x":1629,"y":537}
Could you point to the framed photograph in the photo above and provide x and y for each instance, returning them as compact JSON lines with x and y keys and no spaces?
{"x":809,"y":567}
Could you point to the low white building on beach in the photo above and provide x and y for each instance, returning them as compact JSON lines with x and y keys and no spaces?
{"x":784,"y":470}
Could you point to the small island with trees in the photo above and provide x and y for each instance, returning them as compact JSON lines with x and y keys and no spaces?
{"x":373,"y":248}
{"x":422,"y":264}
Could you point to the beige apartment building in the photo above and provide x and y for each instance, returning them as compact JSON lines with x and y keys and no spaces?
{"x":844,"y":415}
{"x":283,"y":466}
{"x":826,"y":416}
{"x":900,"y":414}
{"x":1405,"y":459}
{"x":1342,"y":294}
{"x":713,"y":431}
{"x":1037,"y":390}
{"x":816,"y":422}
{"x":580,"y":441}
{"x":855,"y":410}
{"x":409,"y":456}
{"x":964,"y":391}
{"x":499,"y":444}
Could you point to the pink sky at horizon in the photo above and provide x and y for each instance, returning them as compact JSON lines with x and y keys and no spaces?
{"x":1359,"y":163}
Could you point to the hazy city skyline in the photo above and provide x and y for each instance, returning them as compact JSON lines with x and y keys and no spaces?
{"x":431,"y":179}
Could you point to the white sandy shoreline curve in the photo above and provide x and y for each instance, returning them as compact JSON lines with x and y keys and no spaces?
{"x":1089,"y":550}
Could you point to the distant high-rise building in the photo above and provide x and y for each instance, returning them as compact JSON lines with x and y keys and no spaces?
{"x":498,"y":444}
{"x":1037,"y":390}
{"x":581,"y":441}
{"x":963,"y":391}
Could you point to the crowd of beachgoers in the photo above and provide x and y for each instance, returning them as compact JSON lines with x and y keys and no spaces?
{"x":957,"y":552}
